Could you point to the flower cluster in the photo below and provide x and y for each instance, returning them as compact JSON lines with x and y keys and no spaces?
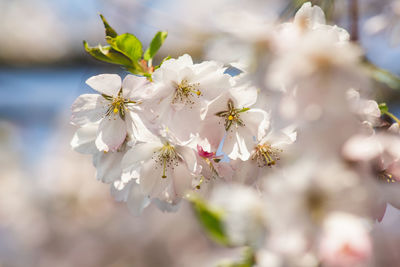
{"x":293,"y":159}
{"x":157,"y":140}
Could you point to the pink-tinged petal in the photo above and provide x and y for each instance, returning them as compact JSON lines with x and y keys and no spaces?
{"x":108,"y":166}
{"x":204,"y":154}
{"x":88,"y":108}
{"x":84,"y":139}
{"x":111,"y":133}
{"x":108,"y":84}
{"x":136,"y":88}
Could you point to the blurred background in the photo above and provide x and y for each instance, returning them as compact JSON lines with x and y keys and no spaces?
{"x":52,"y":210}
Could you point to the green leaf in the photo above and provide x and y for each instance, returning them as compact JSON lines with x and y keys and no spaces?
{"x":165,"y":59}
{"x":210,"y":219}
{"x":109,"y":30}
{"x":96,"y":52}
{"x":383,"y":108}
{"x":128,"y":45}
{"x":107,"y":54}
{"x":155,"y":45}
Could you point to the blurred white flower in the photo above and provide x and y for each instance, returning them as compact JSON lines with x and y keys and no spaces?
{"x":345,"y":241}
{"x":243,"y":214}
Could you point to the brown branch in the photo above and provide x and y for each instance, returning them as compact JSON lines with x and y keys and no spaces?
{"x":353,"y":15}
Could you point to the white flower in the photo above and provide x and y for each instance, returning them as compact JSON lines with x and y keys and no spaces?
{"x":243,"y":216}
{"x":163,"y":168}
{"x":108,"y":164}
{"x":114,"y":109}
{"x":345,"y":241}
{"x":213,"y":170}
{"x":308,"y":19}
{"x":230,"y":117}
{"x":183,"y":90}
{"x":131,"y":193}
{"x":265,"y":154}
{"x":367,"y":109}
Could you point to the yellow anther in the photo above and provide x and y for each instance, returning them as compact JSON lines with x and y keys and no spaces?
{"x":230,"y":117}
{"x":198,"y":93}
{"x":115,"y":110}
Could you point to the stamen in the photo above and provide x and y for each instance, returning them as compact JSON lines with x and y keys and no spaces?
{"x":266,"y":155}
{"x":167,"y":158}
{"x":231,"y":115}
{"x":118,"y":105}
{"x":184,"y":92}
{"x":386,"y":176}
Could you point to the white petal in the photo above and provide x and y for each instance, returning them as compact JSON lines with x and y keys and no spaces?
{"x":108,"y":84}
{"x":245,"y":96}
{"x":137,"y":201}
{"x":362,"y":148}
{"x":84,"y":138}
{"x":137,"y":129}
{"x":108,"y":166}
{"x":189,"y":156}
{"x":165,"y":206}
{"x":111,"y":133}
{"x":256,"y":122}
{"x":311,"y":14}
{"x":139,"y":153}
{"x":135,"y":87}
{"x":244,"y":144}
{"x":88,"y":108}
{"x":182,"y":180}
{"x":151,"y":181}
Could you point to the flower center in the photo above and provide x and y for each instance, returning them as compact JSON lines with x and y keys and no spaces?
{"x":167,"y":157}
{"x":387,"y":177}
{"x":231,"y":115}
{"x":266,"y":155}
{"x":185,"y":91}
{"x":118,"y":105}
